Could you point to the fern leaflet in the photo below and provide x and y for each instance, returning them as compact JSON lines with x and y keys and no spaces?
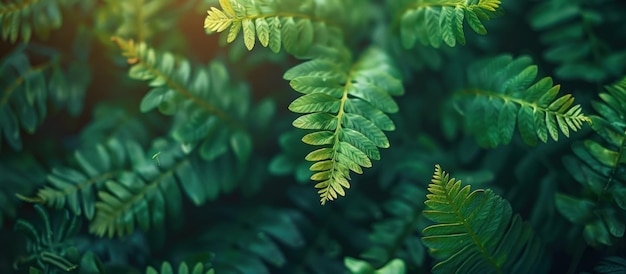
{"x":183,"y":268}
{"x":432,"y":22}
{"x":600,"y":169}
{"x":46,"y":16}
{"x":345,"y":103}
{"x":476,"y":232}
{"x":502,"y":93}
{"x":296,"y":26}
{"x":208,"y":109}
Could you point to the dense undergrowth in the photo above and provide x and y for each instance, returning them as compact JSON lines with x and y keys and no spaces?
{"x":280,"y":136}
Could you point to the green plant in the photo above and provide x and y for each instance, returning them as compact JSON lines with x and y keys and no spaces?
{"x":183,"y":147}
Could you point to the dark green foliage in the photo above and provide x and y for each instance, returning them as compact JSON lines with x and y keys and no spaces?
{"x":179,"y":146}
{"x":397,"y":236}
{"x":599,"y":167}
{"x":578,"y":35}
{"x":476,"y":232}
{"x":166,"y":268}
{"x":26,"y":89}
{"x":436,"y":22}
{"x":502,"y":92}
{"x":49,"y":245}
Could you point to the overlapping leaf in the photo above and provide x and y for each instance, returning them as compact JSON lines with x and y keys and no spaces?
{"x":502,"y":92}
{"x":294,"y":26}
{"x":437,"y":22}
{"x":476,"y":232}
{"x":183,"y":268}
{"x":600,"y":169}
{"x":576,"y":34}
{"x":208,"y":110}
{"x":22,"y":17}
{"x":345,"y":103}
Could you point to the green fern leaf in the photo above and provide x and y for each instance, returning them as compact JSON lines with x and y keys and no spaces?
{"x":26,"y":90}
{"x":600,"y":169}
{"x":208,"y":113}
{"x":48,"y":246}
{"x":183,"y":268}
{"x":432,"y":22}
{"x":502,"y":93}
{"x":476,"y":232}
{"x":76,"y":189}
{"x":279,"y":24}
{"x":16,"y":16}
{"x":345,"y":103}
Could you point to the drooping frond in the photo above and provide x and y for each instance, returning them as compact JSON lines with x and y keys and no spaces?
{"x":259,"y":239}
{"x":578,"y":38}
{"x":502,"y":92}
{"x":476,"y":232}
{"x":151,"y":194}
{"x":76,"y":188}
{"x":25,"y":90}
{"x":22,"y":17}
{"x":47,"y":245}
{"x":397,"y":236}
{"x":208,"y":110}
{"x":433,"y":22}
{"x":345,"y":102}
{"x":292,"y":25}
{"x":600,"y":168}
{"x":183,"y":268}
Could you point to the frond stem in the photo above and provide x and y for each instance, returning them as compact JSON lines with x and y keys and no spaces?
{"x":18,"y":81}
{"x":533,"y":105}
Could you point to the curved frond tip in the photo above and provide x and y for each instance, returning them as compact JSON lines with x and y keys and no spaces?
{"x":346,"y":104}
{"x":476,"y":231}
{"x":502,"y":92}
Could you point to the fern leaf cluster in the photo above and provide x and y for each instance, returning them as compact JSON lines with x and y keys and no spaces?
{"x":397,"y":235}
{"x":27,"y":88}
{"x":294,"y":26}
{"x":476,"y":232}
{"x":23,"y":17}
{"x":50,"y":249}
{"x":502,"y":92}
{"x":183,"y":268}
{"x":345,"y":103}
{"x":437,"y":22}
{"x":600,"y":169}
{"x":577,"y":38}
{"x":20,"y":174}
{"x":204,"y":102}
{"x":76,"y":188}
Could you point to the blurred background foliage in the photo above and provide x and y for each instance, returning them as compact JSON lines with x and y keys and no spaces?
{"x":170,"y":149}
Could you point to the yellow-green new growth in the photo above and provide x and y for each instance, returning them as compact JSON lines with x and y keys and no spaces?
{"x":345,"y":103}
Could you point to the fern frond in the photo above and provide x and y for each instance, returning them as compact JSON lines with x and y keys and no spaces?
{"x":397,"y":236}
{"x":502,"y":92}
{"x":574,"y":33}
{"x":208,"y":109}
{"x":76,"y":188}
{"x":22,"y":17}
{"x":150,"y":195}
{"x":294,"y":26}
{"x":345,"y":103}
{"x":26,"y":89}
{"x":600,"y":169}
{"x":476,"y":232}
{"x":183,"y":268}
{"x":433,"y":22}
{"x":48,"y":246}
